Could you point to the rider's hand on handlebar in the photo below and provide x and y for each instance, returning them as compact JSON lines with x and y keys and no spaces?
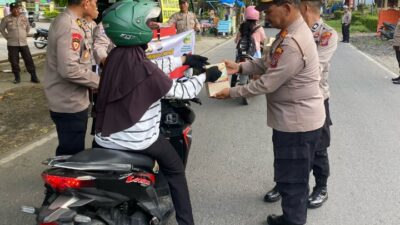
{"x":196,"y":61}
{"x":231,"y":67}
{"x":212,"y":74}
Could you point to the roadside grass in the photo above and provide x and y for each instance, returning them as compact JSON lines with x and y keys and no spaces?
{"x":356,"y":27}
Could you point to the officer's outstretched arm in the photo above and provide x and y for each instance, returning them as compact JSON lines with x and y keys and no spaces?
{"x":256,"y":66}
{"x":279,"y":71}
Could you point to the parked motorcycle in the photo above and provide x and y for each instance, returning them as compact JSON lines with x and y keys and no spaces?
{"x":40,"y":37}
{"x":32,"y":19}
{"x":111,"y":187}
{"x":387,"y":30}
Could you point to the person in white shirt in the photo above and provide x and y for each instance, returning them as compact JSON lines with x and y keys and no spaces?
{"x":128,"y":108}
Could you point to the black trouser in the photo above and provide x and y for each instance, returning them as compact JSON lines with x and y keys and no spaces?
{"x":71,"y":131}
{"x":294,"y":155}
{"x":397,"y":50}
{"x":321,"y":162}
{"x":172,"y":167}
{"x":13,"y":57}
{"x":346,"y":32}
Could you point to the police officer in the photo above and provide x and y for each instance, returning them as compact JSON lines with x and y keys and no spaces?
{"x":295,"y":108}
{"x":184,"y":20}
{"x":68,"y":75}
{"x":396,"y":47}
{"x":15,"y":28}
{"x":346,"y":20}
{"x":326,"y":39}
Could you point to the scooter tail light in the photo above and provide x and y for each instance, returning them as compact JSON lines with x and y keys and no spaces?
{"x":187,"y":136}
{"x":51,"y":223}
{"x":62,"y":183}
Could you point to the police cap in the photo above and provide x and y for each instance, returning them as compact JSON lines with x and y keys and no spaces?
{"x":14,"y":5}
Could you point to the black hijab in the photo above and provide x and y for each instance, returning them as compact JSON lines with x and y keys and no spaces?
{"x":129,"y":84}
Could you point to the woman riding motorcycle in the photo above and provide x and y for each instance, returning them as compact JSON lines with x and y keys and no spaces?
{"x":128,"y":107}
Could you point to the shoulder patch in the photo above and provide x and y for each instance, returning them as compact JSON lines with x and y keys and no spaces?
{"x":276,"y":56}
{"x":76,"y":41}
{"x":325,"y":38}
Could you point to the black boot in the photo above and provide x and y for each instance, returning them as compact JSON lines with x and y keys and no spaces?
{"x":277,"y":220}
{"x":317,"y":197}
{"x":396,"y":79}
{"x":272,"y":195}
{"x":17,"y":78}
{"x":34,"y":78}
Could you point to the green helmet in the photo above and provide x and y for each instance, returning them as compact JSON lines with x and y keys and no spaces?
{"x":125,"y":22}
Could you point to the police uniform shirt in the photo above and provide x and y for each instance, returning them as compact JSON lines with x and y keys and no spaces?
{"x":68,"y":73}
{"x":290,"y":81}
{"x":346,"y":19}
{"x":89,"y":27}
{"x":15,"y":30}
{"x":102,"y":44}
{"x":184,"y":21}
{"x":326,"y":39}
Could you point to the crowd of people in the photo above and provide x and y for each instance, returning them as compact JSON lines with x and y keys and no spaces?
{"x":294,"y":80}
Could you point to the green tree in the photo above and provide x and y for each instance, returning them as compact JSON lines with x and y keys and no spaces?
{"x":61,"y":3}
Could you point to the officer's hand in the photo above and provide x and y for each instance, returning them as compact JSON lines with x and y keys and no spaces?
{"x":231,"y":67}
{"x":196,"y":61}
{"x":224,"y":94}
{"x":213,"y":74}
{"x":103,"y":61}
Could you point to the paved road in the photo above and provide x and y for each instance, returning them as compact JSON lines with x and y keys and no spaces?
{"x":230,"y":166}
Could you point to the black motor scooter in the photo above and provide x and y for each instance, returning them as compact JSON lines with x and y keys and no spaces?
{"x":40,"y":37}
{"x":387,"y":31}
{"x":111,"y":187}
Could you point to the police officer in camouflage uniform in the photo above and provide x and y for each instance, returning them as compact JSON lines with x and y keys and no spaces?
{"x":326,"y":39}
{"x":184,"y":20}
{"x":68,"y":75}
{"x":295,"y":105}
{"x":15,"y":28}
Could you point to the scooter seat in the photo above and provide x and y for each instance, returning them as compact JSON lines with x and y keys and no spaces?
{"x":97,"y":156}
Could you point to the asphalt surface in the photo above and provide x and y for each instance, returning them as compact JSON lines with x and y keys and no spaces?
{"x":230,"y":166}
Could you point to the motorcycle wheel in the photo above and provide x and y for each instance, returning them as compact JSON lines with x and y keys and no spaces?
{"x":40,"y":45}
